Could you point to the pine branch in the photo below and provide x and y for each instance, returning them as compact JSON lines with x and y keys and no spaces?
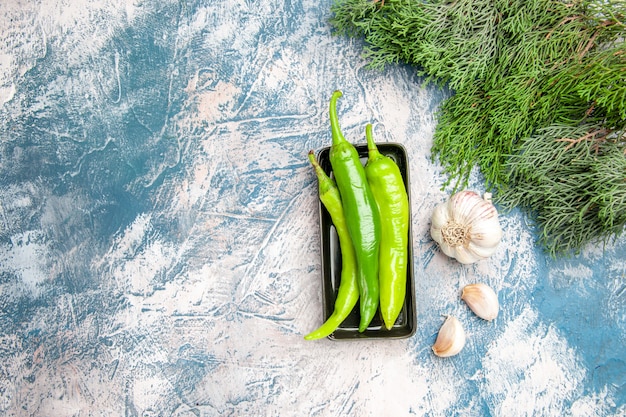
{"x":572,"y":180}
{"x":517,"y":68}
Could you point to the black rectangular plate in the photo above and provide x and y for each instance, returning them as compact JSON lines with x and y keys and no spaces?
{"x":331,"y":262}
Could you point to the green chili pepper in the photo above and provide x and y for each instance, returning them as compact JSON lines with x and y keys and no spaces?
{"x":361,"y":215}
{"x":389,"y":191}
{"x":348,"y":292}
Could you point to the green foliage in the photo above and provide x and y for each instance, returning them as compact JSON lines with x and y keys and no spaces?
{"x":520,"y":71}
{"x":573,"y":181}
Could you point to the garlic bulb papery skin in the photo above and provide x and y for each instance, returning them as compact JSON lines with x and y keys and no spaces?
{"x":466,"y":227}
{"x":451,"y":338}
{"x":482,"y":300}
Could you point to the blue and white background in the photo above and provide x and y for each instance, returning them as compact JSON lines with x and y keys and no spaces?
{"x":159,"y":242}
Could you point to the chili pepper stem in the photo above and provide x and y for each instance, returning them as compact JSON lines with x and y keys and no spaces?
{"x":324,"y":181}
{"x":372,"y":149}
{"x":337,"y":135}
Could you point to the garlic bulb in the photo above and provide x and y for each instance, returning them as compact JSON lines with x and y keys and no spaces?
{"x":451,"y":338}
{"x":482,"y":300}
{"x":466,"y":227}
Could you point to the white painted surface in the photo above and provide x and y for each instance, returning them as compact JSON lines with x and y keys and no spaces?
{"x":159,"y":251}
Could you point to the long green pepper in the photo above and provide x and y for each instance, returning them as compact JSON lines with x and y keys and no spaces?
{"x":389,"y":191}
{"x":348,"y":292}
{"x":361,"y":215}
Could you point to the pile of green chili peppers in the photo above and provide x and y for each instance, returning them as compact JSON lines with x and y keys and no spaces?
{"x":369,"y":208}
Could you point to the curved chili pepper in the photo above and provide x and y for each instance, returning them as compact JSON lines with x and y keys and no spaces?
{"x":361,"y":215}
{"x":389,"y":191}
{"x":348,"y":291}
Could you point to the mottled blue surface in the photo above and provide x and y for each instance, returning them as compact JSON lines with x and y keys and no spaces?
{"x":159,"y":233}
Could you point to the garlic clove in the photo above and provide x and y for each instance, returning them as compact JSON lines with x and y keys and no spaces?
{"x":447,"y":249}
{"x":482,"y":300}
{"x":440,"y":218}
{"x":480,"y":251}
{"x":464,"y":206}
{"x":482,"y":210}
{"x":451,"y":338}
{"x":435,"y":232}
{"x":486,"y":232}
{"x":465,"y":255}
